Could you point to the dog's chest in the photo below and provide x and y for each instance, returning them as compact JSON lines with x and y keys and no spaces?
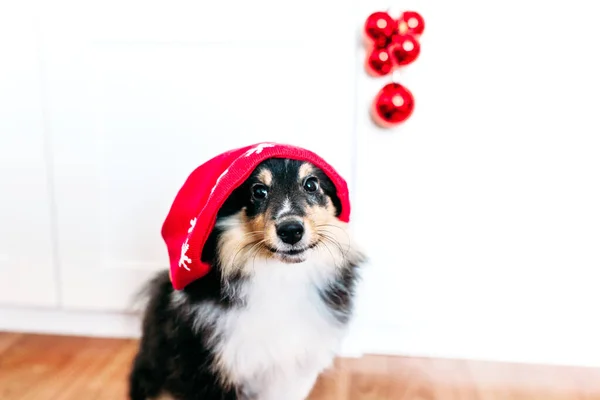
{"x":284,"y":325}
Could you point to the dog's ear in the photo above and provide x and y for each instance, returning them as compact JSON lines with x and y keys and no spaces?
{"x":329,"y":189}
{"x":236,"y":201}
{"x":209,"y":251}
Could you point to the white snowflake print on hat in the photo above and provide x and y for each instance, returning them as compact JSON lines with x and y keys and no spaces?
{"x":184,"y":260}
{"x":258,"y":149}
{"x":192,"y":224}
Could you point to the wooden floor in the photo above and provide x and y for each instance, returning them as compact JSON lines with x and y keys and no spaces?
{"x":36,"y":367}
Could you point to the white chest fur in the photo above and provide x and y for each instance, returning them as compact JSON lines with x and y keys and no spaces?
{"x":284,"y":332}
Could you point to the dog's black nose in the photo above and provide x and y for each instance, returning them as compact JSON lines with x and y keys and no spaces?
{"x":290,"y":232}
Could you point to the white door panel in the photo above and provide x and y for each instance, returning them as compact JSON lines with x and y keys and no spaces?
{"x":140,"y":95}
{"x":27,"y":268}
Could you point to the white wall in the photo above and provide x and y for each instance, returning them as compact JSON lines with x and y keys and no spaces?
{"x":482,"y":212}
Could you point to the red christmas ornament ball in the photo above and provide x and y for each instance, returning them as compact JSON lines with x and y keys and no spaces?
{"x":393,"y":104}
{"x":404,"y":49}
{"x":379,"y":27}
{"x":411,"y":22}
{"x":379,"y":62}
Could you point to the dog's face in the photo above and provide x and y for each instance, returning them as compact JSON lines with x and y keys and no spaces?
{"x":286,"y":210}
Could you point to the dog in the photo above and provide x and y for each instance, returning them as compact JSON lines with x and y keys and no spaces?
{"x":272,"y":311}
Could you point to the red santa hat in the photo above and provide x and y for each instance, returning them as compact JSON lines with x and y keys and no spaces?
{"x":194,"y":211}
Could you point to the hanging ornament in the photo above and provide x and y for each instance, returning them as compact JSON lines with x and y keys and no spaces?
{"x":392,"y":44}
{"x":379,"y":62}
{"x":379,"y":28}
{"x":393,"y":105}
{"x":411,"y":22}
{"x":404,"y":49}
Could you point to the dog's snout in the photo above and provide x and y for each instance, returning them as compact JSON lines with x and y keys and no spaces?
{"x":290,"y":232}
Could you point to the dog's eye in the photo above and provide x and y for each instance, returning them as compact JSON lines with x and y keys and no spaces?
{"x":259,"y":191}
{"x":311,"y":184}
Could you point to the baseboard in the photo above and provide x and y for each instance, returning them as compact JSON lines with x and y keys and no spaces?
{"x":525,"y":347}
{"x":69,"y":322}
{"x":96,"y":324}
{"x":532,"y":347}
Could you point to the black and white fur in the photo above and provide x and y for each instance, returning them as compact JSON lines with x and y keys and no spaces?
{"x":270,"y":315}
